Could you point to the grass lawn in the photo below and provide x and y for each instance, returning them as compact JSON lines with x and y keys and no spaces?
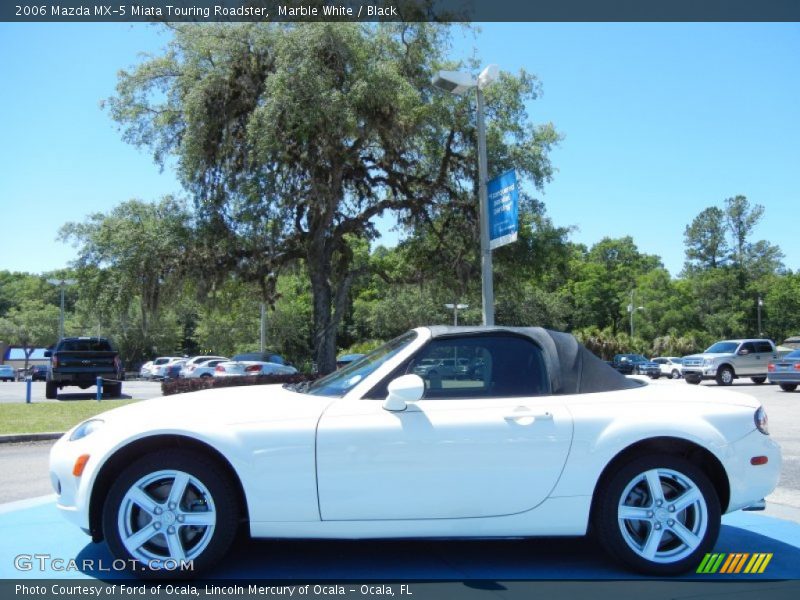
{"x":40,"y":417}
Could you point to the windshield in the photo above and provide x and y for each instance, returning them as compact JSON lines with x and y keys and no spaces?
{"x":340,"y":382}
{"x":723,"y":348}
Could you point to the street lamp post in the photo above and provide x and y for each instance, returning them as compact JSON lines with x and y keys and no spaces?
{"x":459,"y":82}
{"x":760,"y":304}
{"x":632,"y":309}
{"x":62,"y":283}
{"x":455,"y":308}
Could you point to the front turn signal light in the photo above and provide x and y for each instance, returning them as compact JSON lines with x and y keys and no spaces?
{"x":80,"y":465}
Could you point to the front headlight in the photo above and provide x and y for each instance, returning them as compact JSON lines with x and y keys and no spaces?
{"x":762,"y":422}
{"x":85,"y":428}
{"x":707,"y":362}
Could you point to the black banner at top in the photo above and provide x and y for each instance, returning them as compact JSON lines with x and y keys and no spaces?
{"x":397,"y":10}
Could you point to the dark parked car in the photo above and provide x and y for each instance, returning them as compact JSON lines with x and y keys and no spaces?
{"x":636,"y":364}
{"x":39,"y":372}
{"x":79,"y":361}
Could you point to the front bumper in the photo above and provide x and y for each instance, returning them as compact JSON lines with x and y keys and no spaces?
{"x":750,"y":484}
{"x":706,"y":372}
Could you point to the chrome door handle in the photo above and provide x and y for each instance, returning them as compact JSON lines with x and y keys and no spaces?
{"x":528,"y":414}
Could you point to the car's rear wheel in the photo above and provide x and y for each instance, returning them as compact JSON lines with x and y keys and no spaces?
{"x":658,"y":514}
{"x":113,"y":389}
{"x":758,"y":380}
{"x":788,"y":387}
{"x":50,"y":391}
{"x":675,"y":374}
{"x":725,"y":376}
{"x":169,"y":508}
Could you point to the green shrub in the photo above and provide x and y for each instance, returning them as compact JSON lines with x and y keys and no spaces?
{"x":180,"y":386}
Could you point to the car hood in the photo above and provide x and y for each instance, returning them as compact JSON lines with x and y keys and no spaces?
{"x":209,"y":409}
{"x":704,"y":355}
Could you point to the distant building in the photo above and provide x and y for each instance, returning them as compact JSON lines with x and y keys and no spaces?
{"x":15,"y":356}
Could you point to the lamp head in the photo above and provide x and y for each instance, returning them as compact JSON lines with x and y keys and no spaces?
{"x":455,"y":82}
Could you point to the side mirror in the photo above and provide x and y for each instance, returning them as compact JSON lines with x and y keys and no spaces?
{"x":47,"y":354}
{"x":402,"y":391}
{"x":744,"y":352}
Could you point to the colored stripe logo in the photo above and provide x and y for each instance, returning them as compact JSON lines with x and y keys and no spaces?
{"x":735,"y":563}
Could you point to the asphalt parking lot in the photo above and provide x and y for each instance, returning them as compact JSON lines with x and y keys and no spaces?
{"x":15,"y":391}
{"x":30,"y":524}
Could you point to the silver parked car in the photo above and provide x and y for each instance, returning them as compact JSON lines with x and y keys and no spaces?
{"x":254,"y":363}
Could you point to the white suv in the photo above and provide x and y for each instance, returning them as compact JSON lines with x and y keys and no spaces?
{"x":670,"y":366}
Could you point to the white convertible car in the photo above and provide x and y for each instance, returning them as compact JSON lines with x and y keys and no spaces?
{"x":535,"y":436}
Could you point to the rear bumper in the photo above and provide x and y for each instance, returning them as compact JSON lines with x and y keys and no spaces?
{"x":787,"y":377}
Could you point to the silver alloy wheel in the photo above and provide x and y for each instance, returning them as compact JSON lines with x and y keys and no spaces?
{"x":166,"y":515}
{"x":727,"y":376}
{"x":662,"y":515}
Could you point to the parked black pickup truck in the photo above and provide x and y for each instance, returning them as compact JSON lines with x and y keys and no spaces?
{"x":79,"y":361}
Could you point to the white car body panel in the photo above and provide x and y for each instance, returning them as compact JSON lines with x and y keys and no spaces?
{"x":316,"y":466}
{"x":440,"y":459}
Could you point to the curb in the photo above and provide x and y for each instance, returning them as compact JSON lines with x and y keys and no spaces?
{"x":16,"y":438}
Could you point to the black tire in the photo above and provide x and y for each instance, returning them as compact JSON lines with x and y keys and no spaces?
{"x":209,"y":487}
{"x":725,"y":376}
{"x":626,"y":539}
{"x":50,"y":391}
{"x":758,"y":380}
{"x":788,"y":387}
{"x":692,"y":379}
{"x":675,"y":374}
{"x":206,"y":375}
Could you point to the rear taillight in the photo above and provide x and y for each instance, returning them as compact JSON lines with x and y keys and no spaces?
{"x":219,"y":369}
{"x":797,"y":366}
{"x":54,"y":361}
{"x":253,"y":369}
{"x":771,"y":367}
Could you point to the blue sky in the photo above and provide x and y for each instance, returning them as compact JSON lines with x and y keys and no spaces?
{"x":660,"y":121}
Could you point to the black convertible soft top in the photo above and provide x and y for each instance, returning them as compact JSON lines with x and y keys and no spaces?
{"x":572,"y":368}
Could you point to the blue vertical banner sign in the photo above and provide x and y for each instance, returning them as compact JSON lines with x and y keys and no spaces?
{"x":503,"y":196}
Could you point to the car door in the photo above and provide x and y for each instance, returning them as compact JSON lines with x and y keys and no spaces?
{"x":746,"y":363}
{"x":483,"y":443}
{"x":764,"y":353}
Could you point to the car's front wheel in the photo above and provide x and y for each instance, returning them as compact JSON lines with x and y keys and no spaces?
{"x":725,"y":376}
{"x":658,"y":515}
{"x":171,"y":511}
{"x":692,"y":379}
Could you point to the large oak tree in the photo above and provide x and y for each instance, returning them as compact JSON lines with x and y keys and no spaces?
{"x":292,"y":138}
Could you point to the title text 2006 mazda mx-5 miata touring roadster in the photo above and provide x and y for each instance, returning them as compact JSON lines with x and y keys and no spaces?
{"x":531,"y":435}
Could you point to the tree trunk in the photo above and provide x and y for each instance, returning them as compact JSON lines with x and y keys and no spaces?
{"x":325,"y":326}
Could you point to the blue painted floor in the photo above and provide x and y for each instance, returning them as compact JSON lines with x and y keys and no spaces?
{"x":32,"y":528}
